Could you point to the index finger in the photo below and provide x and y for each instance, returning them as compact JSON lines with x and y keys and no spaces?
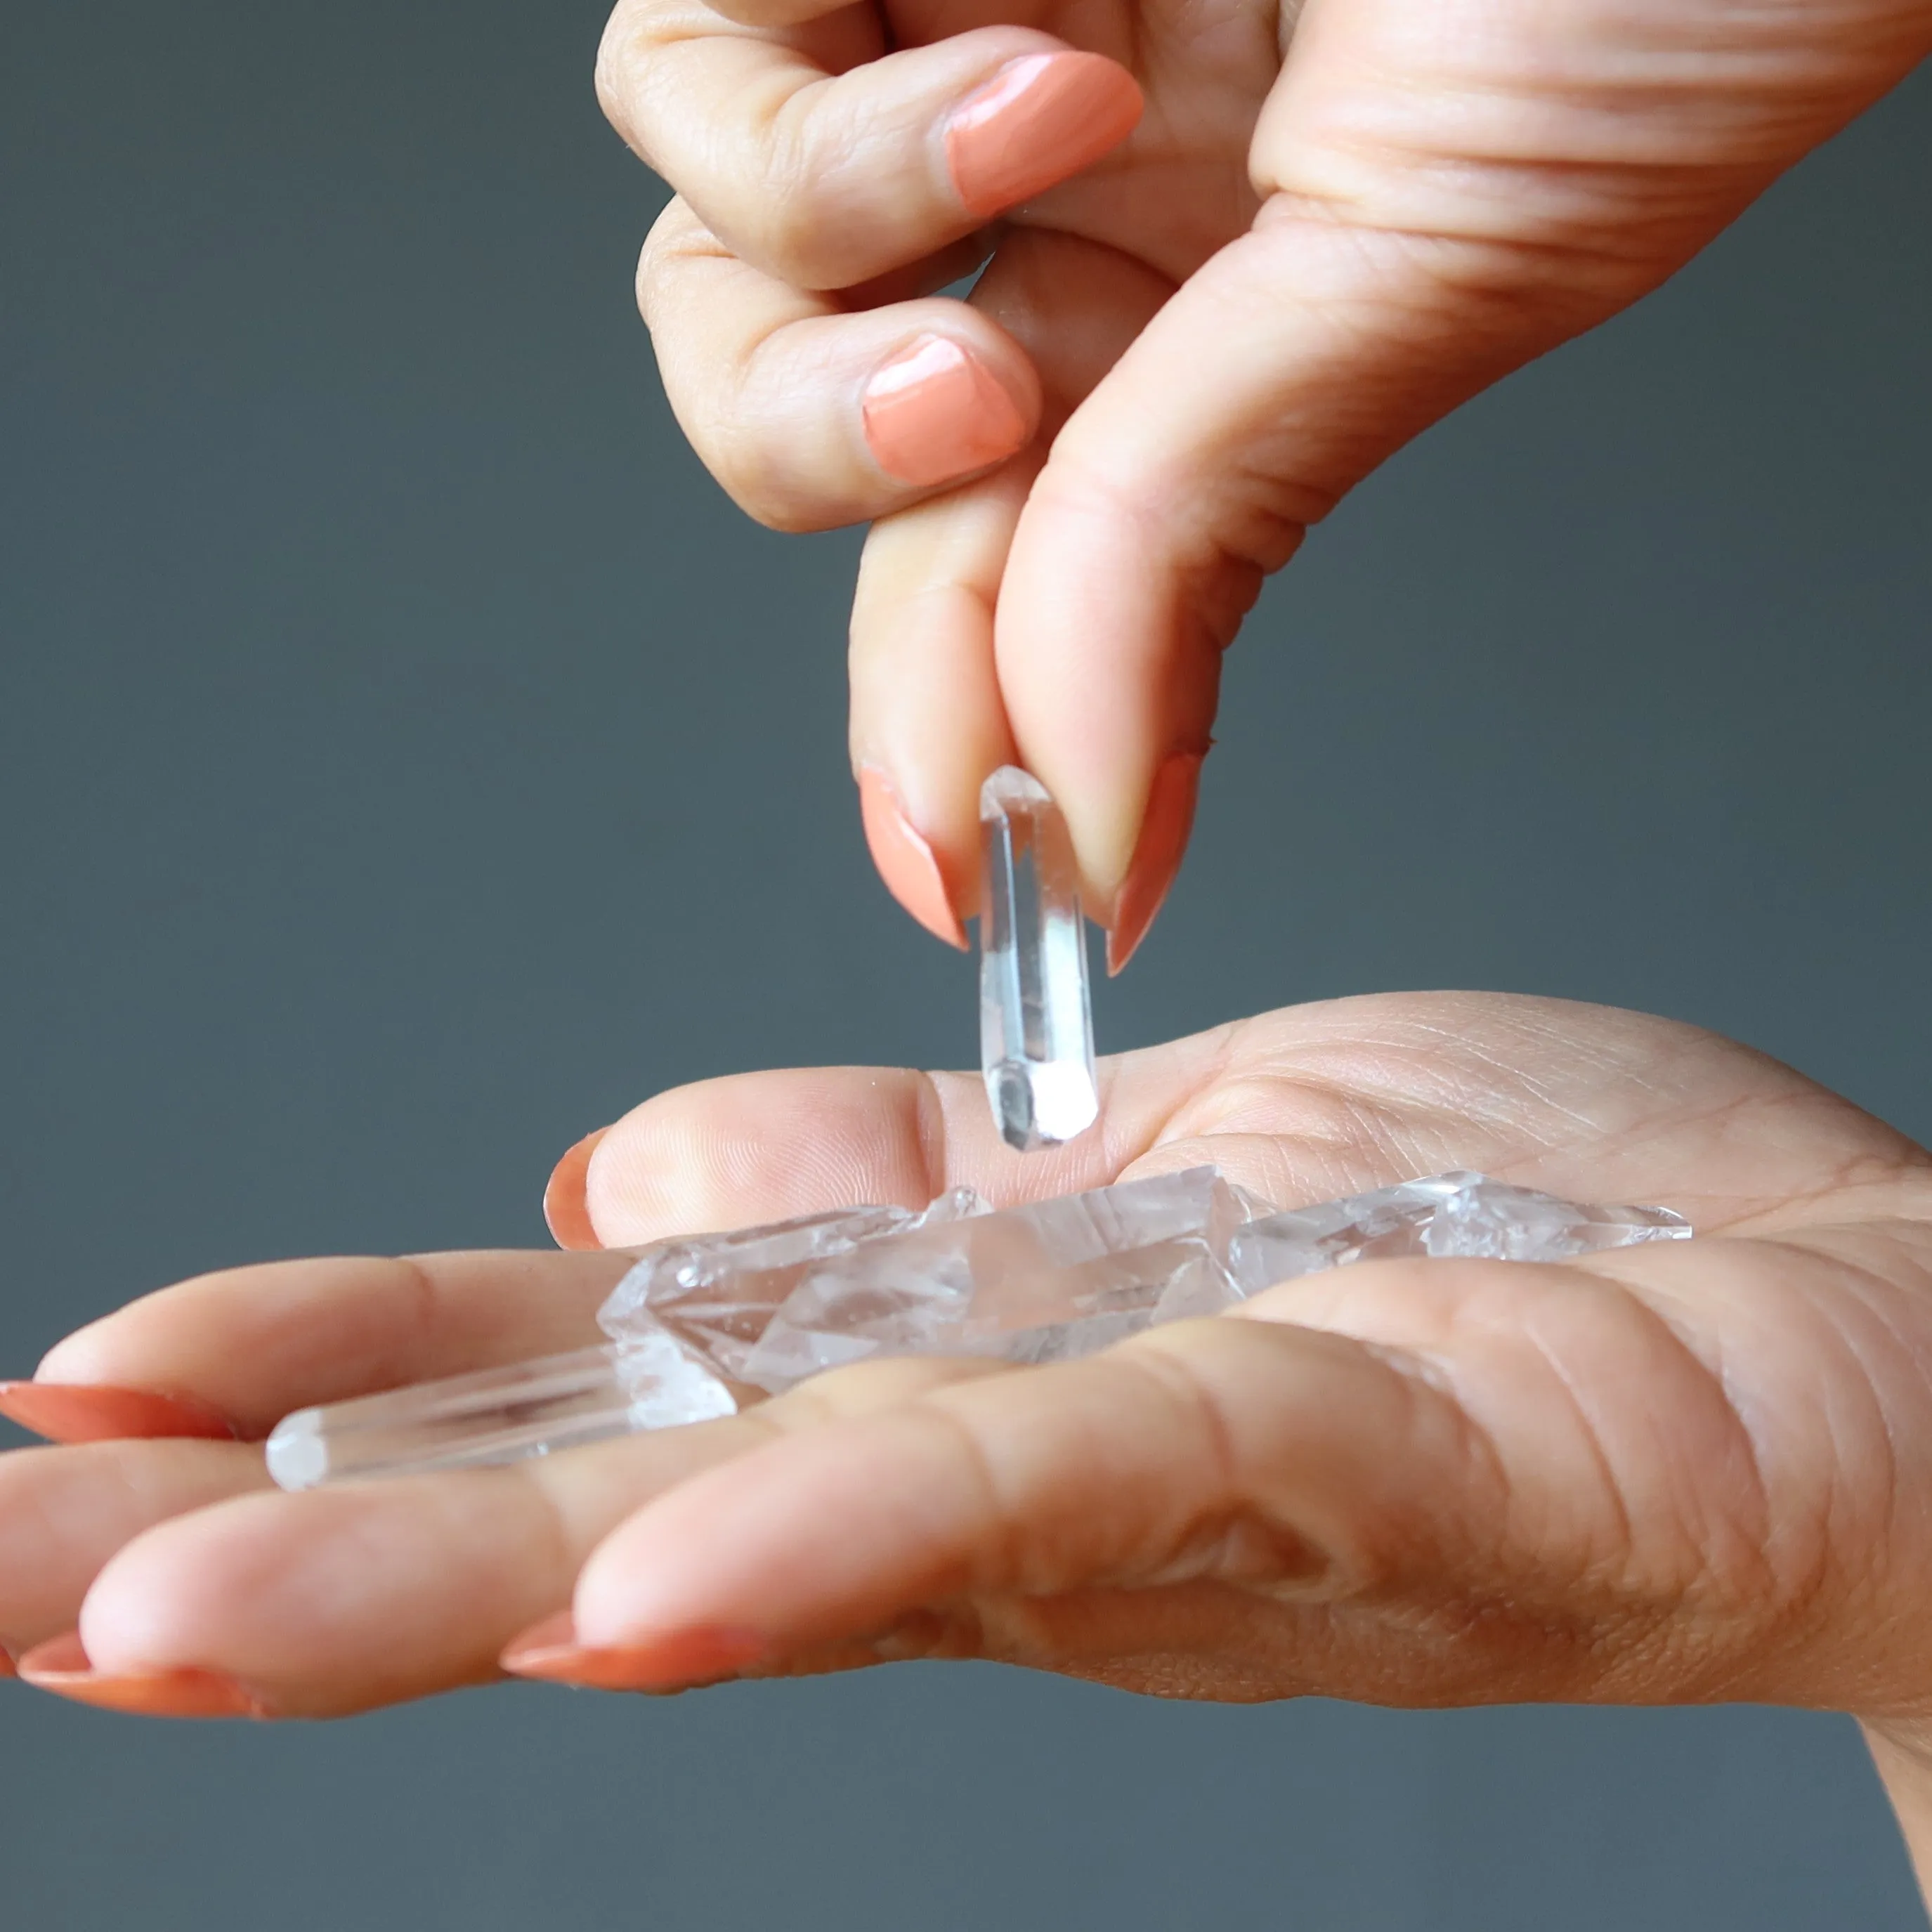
{"x":250,"y":1344}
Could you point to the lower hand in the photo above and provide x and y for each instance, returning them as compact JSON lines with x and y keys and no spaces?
{"x":1669,"y":1473}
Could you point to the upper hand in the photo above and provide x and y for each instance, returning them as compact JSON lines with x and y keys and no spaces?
{"x":1330,"y":225}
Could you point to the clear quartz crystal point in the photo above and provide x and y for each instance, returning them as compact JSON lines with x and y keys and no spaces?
{"x":1036,"y":1018}
{"x":1047,"y":1282}
{"x":680,"y":1322}
{"x":1445,"y":1214}
{"x":500,"y":1415}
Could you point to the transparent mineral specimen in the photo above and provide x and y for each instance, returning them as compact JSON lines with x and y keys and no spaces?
{"x":716,"y":1292}
{"x":1046,"y":1281}
{"x":1036,"y":1020}
{"x":680,"y":1323}
{"x":1467,"y":1214}
{"x":499,"y":1415}
{"x":698,"y":1324}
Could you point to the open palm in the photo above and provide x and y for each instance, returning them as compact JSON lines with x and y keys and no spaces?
{"x":1668,"y":1474}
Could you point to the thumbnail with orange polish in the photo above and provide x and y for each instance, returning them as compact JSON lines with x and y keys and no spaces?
{"x":905,"y":861}
{"x":60,"y":1666}
{"x":566,"y":1210}
{"x":88,"y":1412}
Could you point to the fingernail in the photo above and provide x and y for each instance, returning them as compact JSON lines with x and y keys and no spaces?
{"x":1168,"y":819}
{"x":8,"y":1666}
{"x":91,"y":1412}
{"x":60,"y":1665}
{"x":566,"y":1211}
{"x":1038,"y":120}
{"x":905,"y":861}
{"x":936,"y":412}
{"x":550,"y":1650}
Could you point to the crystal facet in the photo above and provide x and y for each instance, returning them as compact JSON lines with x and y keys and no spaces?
{"x":1043,"y":1283}
{"x":715,"y":1292}
{"x":1446,"y":1214}
{"x":1035,"y":1021}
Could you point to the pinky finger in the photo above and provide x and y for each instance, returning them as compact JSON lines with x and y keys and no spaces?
{"x":812,"y":414}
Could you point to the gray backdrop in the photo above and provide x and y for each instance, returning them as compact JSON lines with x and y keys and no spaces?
{"x":408,"y":759}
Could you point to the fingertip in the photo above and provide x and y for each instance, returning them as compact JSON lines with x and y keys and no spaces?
{"x":98,"y":1412}
{"x":936,"y":412}
{"x":1038,"y":120}
{"x":1165,"y":824}
{"x":566,"y":1201}
{"x":906,"y":861}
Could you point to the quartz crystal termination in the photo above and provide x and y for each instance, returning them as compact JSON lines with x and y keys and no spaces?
{"x":680,"y":1324}
{"x":1036,"y":1016}
{"x":700,"y":1325}
{"x":1446,"y":1214}
{"x":499,"y":1415}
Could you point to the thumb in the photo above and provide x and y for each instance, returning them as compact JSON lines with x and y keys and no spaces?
{"x":1437,"y":207}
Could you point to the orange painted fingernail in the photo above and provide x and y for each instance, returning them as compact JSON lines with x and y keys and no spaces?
{"x":550,"y":1650}
{"x":936,"y":412}
{"x":1168,"y":819}
{"x":91,"y":1412}
{"x":1038,"y":120}
{"x":7,"y":1667}
{"x":566,"y":1210}
{"x":905,"y":861}
{"x":60,"y":1665}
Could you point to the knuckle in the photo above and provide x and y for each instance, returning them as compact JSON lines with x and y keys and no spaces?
{"x":614,"y":55}
{"x":676,"y":240}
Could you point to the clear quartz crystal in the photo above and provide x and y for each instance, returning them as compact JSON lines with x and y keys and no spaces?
{"x":715,"y":1292}
{"x":680,"y":1324}
{"x":697,"y":1325}
{"x":1036,"y":1018}
{"x":500,"y":1415}
{"x":1046,"y":1281}
{"x":1445,"y":1214}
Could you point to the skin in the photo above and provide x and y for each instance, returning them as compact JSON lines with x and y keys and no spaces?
{"x":1333,"y":223}
{"x":1668,"y":1474}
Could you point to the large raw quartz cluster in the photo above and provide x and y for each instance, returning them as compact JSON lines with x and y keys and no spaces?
{"x":699,"y":1327}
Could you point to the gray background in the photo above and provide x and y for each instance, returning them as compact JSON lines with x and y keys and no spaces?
{"x":408,"y":759}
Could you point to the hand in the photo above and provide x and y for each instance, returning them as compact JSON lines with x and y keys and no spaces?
{"x":1330,"y":225}
{"x":1673,"y":1474}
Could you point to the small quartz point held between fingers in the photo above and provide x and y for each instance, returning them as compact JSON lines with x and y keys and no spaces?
{"x":1444,"y":1215}
{"x":1036,"y":1016}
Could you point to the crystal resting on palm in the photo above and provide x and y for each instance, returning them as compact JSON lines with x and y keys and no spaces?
{"x":700,"y":1328}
